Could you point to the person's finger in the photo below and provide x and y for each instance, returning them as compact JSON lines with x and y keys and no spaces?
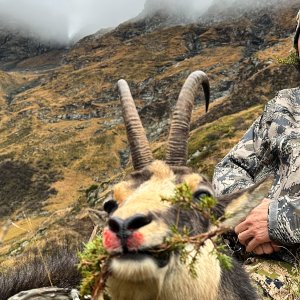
{"x":241,"y":227}
{"x":252,"y":245}
{"x":267,"y":248}
{"x":265,"y":200}
{"x":245,"y":236}
{"x":258,"y":250}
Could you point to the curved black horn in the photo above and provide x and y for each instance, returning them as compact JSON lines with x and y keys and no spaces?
{"x":139,"y":146}
{"x":176,"y":153}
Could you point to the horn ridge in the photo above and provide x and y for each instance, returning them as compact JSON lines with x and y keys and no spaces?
{"x":176,"y":152}
{"x":139,"y":146}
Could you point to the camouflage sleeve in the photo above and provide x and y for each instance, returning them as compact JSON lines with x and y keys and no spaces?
{"x":284,"y":220}
{"x":284,"y":212}
{"x":271,"y":145}
{"x":243,"y":165}
{"x":283,"y":124}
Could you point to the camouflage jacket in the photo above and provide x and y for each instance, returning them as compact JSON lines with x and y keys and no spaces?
{"x":271,"y":146}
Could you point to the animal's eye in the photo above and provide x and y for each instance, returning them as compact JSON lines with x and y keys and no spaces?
{"x":110,"y":206}
{"x":199,"y":195}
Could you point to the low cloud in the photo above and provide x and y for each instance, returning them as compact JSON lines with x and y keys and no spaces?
{"x":62,"y":21}
{"x":193,"y":9}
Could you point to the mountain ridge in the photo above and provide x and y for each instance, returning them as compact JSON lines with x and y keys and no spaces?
{"x":61,"y":128}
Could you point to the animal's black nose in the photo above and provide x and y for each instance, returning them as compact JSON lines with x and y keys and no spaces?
{"x":135,"y":222}
{"x":115,"y":224}
{"x":138,"y":221}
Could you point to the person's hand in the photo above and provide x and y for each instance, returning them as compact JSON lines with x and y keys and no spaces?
{"x":266,"y":248}
{"x":253,"y":231}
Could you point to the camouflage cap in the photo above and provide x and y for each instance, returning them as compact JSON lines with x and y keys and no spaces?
{"x":296,"y":36}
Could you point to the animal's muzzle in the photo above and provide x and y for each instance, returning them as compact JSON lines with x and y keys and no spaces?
{"x":123,"y":233}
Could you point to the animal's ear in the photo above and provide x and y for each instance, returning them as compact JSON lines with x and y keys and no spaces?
{"x":239,"y":204}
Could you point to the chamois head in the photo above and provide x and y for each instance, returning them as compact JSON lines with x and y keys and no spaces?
{"x":139,"y":220}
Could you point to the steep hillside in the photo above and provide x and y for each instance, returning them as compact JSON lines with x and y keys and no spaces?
{"x":16,"y":46}
{"x":62,"y":140}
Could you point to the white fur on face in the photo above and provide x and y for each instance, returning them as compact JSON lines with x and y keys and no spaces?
{"x":132,"y":270}
{"x":143,"y":280}
{"x":136,"y":280}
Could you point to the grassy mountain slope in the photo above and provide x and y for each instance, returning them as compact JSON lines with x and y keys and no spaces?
{"x":61,"y":131}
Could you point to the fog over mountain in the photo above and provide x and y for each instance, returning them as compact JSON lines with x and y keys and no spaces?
{"x":61,"y":20}
{"x":189,"y":8}
{"x":65,"y":20}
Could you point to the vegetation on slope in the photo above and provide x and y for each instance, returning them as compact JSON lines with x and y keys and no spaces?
{"x":61,"y":129}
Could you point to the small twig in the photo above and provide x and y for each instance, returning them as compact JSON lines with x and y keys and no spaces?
{"x":197,"y":240}
{"x":17,"y":226}
{"x":98,"y":292}
{"x":95,"y":230}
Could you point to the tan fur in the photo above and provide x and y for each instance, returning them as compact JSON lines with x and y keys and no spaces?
{"x":122,"y":190}
{"x":172,"y":282}
{"x":181,"y":285}
{"x":161,"y":170}
{"x":193,"y":180}
{"x":161,"y":184}
{"x":142,"y":280}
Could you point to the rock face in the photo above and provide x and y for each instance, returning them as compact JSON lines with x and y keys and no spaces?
{"x":248,"y":35}
{"x":16,"y":46}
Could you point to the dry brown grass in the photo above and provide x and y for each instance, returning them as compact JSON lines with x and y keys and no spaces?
{"x":279,"y":50}
{"x":69,"y":190}
{"x":91,"y":152}
{"x":22,"y":228}
{"x":228,"y":129}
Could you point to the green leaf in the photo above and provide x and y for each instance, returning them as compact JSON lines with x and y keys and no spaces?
{"x":91,"y":261}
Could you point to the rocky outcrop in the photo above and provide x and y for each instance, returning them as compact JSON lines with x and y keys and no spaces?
{"x":16,"y":46}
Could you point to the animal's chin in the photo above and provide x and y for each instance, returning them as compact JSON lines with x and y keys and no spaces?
{"x":139,"y":266}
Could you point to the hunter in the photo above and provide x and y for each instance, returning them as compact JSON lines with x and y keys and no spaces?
{"x":271,"y":146}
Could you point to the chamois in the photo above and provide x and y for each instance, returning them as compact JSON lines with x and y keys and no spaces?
{"x":139,"y":221}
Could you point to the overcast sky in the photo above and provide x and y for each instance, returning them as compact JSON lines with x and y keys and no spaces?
{"x":61,"y":20}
